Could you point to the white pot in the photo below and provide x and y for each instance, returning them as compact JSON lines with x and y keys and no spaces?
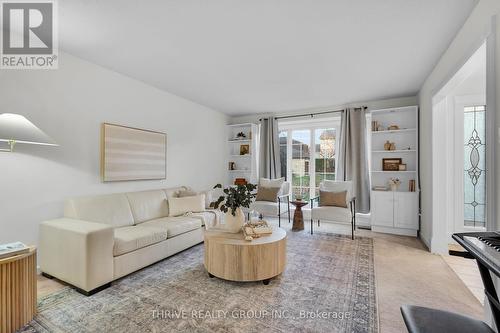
{"x":394,"y":187}
{"x":234,"y":223}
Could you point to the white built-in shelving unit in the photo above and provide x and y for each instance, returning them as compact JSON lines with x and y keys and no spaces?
{"x":395,"y":211}
{"x":245,"y":165}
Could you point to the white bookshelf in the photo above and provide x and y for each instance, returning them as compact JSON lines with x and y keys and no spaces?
{"x":245,"y":165}
{"x":395,"y":211}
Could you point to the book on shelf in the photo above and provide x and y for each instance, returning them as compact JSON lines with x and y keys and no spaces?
{"x":411,"y":185}
{"x":12,"y":249}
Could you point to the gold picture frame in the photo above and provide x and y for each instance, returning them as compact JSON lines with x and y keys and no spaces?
{"x":391,"y":164}
{"x":244,"y":149}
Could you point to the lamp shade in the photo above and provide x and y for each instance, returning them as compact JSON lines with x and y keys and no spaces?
{"x":14,"y":127}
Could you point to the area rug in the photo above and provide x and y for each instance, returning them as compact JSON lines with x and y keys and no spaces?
{"x":328,"y":286}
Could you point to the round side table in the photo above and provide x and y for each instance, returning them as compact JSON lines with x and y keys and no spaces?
{"x":298,"y":217}
{"x":17,"y":290}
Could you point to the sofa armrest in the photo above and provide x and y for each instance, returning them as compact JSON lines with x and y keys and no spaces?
{"x":77,"y":252}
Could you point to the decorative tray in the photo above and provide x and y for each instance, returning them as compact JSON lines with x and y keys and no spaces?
{"x":256,"y":229}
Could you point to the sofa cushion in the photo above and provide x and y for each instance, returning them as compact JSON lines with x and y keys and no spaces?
{"x":128,"y":239}
{"x":174,"y":225}
{"x":111,"y":209}
{"x":148,"y":205}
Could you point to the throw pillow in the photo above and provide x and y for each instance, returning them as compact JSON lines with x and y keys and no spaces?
{"x":267,"y":194}
{"x":181,"y":206}
{"x":191,"y":193}
{"x":337,"y":199}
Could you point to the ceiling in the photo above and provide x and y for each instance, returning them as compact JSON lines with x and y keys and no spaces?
{"x":244,"y":57}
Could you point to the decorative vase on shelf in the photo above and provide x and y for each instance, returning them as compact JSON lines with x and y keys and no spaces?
{"x":394,"y":184}
{"x":234,"y":223}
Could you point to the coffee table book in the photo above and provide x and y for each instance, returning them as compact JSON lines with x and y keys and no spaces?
{"x":12,"y":249}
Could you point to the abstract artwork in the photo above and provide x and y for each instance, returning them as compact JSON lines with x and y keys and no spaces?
{"x":132,"y":154}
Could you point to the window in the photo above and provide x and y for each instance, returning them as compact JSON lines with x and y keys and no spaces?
{"x":283,"y":137}
{"x":301,"y":158}
{"x":474,"y":166}
{"x":324,"y":157}
{"x":308,"y":152}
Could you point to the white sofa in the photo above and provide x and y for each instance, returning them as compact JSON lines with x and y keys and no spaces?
{"x":102,"y":238}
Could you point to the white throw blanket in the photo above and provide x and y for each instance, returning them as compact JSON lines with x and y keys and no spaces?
{"x":209,"y":218}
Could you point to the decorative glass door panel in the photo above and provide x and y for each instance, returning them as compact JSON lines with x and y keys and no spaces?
{"x":475,"y":166}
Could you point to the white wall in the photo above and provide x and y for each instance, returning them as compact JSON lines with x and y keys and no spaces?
{"x":372,"y":105}
{"x":468,"y":39}
{"x":70,"y":104}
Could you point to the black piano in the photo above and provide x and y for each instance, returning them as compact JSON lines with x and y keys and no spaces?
{"x":485,"y":248}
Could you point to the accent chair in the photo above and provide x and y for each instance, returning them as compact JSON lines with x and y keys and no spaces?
{"x":335,"y":214}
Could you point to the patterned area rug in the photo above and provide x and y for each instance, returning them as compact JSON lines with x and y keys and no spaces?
{"x":328,"y":286}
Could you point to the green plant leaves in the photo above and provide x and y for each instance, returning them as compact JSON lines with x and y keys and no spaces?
{"x":234,"y":197}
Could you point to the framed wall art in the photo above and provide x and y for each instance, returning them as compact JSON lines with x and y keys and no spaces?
{"x":129,"y":153}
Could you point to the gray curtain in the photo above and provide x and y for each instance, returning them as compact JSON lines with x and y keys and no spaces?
{"x":269,"y":152}
{"x":353,"y":156}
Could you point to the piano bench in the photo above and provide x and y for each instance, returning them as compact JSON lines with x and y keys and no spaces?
{"x":425,"y":320}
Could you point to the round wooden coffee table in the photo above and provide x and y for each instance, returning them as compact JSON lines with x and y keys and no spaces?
{"x":230,"y":257}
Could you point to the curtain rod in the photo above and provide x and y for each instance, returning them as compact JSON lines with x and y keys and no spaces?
{"x":316,"y":113}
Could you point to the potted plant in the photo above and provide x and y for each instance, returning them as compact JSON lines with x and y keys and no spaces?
{"x":230,"y":203}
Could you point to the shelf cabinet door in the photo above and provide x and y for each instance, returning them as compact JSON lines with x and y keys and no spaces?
{"x":382,"y":209}
{"x":406,"y":210}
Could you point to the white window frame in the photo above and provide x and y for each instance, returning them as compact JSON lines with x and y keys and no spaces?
{"x":312,"y":125}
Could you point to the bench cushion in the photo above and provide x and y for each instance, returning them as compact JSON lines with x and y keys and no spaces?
{"x":332,"y":213}
{"x":128,"y":239}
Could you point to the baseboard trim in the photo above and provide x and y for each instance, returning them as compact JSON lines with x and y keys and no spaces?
{"x":93,"y":291}
{"x":81,"y":291}
{"x":426,"y":241}
{"x":395,"y":231}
